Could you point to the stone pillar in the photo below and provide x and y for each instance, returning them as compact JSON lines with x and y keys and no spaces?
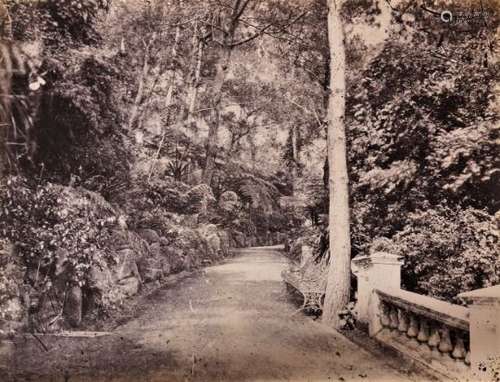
{"x":378,"y":271}
{"x":484,"y":324}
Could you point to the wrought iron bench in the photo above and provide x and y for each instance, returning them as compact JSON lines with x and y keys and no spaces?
{"x":310,"y":281}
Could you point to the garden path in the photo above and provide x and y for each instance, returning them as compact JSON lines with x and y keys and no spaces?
{"x":231,"y":322}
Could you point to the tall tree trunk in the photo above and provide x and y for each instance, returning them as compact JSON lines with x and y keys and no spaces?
{"x":5,"y":89}
{"x":168,"y":100}
{"x":213,"y":128}
{"x":4,"y":125}
{"x":5,"y":115}
{"x":171,"y":79}
{"x":193,"y":91}
{"x":295,"y":144}
{"x":253,"y":147}
{"x":144,"y":107}
{"x":224,"y":34}
{"x":339,"y":275}
{"x":140,"y":89}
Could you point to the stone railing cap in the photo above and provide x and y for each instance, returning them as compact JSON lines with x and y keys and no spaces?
{"x":450,"y":314}
{"x":491,"y":294}
{"x":379,"y":258}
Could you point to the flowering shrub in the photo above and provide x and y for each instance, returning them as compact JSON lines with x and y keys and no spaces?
{"x":449,"y":251}
{"x":52,"y":220}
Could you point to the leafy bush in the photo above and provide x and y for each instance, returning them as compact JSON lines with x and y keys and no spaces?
{"x":67,"y":20}
{"x":170,"y":195}
{"x":52,"y":220}
{"x":77,"y":131}
{"x":465,"y":161}
{"x":382,"y":244}
{"x":449,"y":251}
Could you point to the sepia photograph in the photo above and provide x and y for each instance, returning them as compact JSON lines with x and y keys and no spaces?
{"x":249,"y":190}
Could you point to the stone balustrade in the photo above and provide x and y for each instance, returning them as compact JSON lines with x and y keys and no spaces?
{"x":455,"y":341}
{"x":431,"y":331}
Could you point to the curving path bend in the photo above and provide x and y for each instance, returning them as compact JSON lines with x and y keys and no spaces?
{"x":231,"y":322}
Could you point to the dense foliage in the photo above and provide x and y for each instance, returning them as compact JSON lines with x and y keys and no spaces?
{"x":440,"y":262}
{"x":51,"y":221}
{"x":423,"y":140}
{"x":424,"y":164}
{"x":112,"y":104}
{"x":103,"y":191}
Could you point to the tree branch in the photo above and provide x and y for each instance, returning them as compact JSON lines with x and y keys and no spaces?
{"x":240,"y":11}
{"x":253,"y":37}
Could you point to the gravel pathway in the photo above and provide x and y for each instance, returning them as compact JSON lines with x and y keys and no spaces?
{"x":231,"y":322}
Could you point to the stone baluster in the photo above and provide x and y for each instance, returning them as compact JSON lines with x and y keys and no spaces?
{"x":413,"y":331}
{"x":434,"y":340}
{"x":445,"y":345}
{"x":467,"y":358}
{"x":413,"y":328}
{"x":384,"y":315}
{"x":393,"y":318}
{"x":459,"y":350}
{"x":403,"y":321}
{"x":423,"y":334}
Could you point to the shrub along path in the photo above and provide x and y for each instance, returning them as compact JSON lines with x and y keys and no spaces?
{"x":233,"y":322}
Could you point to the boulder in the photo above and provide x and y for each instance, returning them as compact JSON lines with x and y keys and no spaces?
{"x":175,"y":258}
{"x":126,"y":266}
{"x":129,"y":286}
{"x":100,"y":279}
{"x":150,"y":235}
{"x":155,"y":250}
{"x":152,"y":269}
{"x":213,"y":245}
{"x":122,"y":289}
{"x":190,"y":221}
